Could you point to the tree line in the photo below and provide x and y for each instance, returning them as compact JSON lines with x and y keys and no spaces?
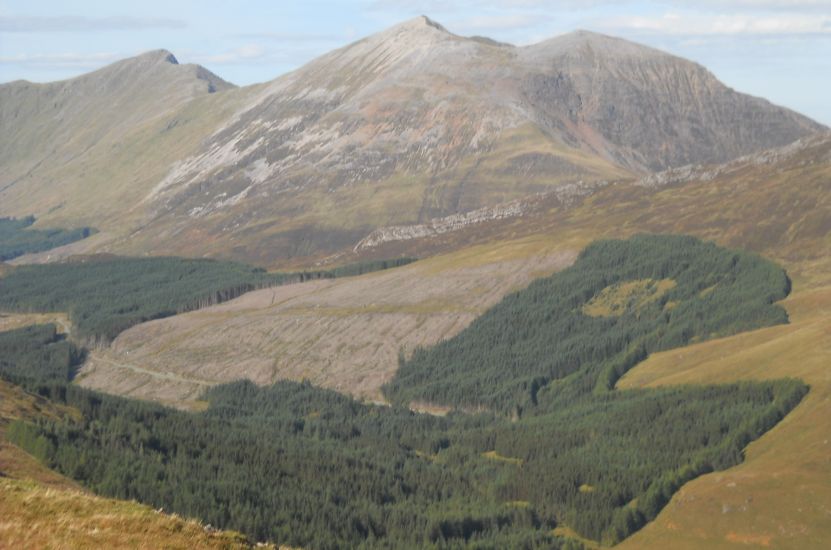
{"x":18,"y":238}
{"x":107,"y":295}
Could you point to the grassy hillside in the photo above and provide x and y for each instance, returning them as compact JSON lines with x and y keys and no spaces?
{"x":86,"y":150}
{"x":780,"y":496}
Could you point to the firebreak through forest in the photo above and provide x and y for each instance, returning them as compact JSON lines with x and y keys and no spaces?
{"x":553,"y":444}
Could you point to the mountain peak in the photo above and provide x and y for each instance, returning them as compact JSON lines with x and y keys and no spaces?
{"x":417,"y":28}
{"x":162,"y":65}
{"x":430,"y":23}
{"x":160,"y":55}
{"x":422,"y":22}
{"x":583,"y":41}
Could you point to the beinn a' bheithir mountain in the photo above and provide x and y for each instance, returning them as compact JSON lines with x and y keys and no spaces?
{"x":425,"y":291}
{"x":403,"y":126}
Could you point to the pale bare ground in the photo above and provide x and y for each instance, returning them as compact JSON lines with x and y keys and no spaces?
{"x":342,"y":334}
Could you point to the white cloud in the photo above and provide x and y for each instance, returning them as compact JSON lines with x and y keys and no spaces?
{"x":242,"y":54}
{"x":61,"y":60}
{"x":792,"y":5}
{"x":68,"y":23}
{"x":498,"y":22}
{"x":736,"y":24}
{"x":722,"y":5}
{"x":291,"y":37}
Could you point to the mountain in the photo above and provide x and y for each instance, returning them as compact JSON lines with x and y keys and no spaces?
{"x":650,"y":110}
{"x":403,"y":126}
{"x":79,"y":149}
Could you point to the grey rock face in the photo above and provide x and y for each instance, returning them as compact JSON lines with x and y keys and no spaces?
{"x":418,"y":99}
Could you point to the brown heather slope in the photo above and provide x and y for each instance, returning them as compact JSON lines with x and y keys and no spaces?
{"x":408,"y":124}
{"x":776,"y":203}
{"x":42,"y":509}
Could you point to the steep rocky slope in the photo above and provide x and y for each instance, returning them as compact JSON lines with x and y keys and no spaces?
{"x":404,"y":126}
{"x":644,"y":108}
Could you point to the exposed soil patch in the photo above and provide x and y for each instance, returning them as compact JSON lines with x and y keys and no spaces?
{"x":341,"y":334}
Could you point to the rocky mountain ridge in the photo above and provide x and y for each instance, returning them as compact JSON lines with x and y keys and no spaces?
{"x":400,"y":128}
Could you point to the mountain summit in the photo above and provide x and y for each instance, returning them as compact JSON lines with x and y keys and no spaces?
{"x":406,"y":125}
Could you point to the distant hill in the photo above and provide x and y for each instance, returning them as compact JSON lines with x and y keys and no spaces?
{"x":405,"y":125}
{"x":82,"y":149}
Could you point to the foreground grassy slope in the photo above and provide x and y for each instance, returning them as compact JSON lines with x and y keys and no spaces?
{"x":35,"y":516}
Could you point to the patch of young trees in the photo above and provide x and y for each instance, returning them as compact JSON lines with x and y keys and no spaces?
{"x":17,"y":237}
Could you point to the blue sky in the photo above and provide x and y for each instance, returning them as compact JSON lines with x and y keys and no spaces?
{"x":778,"y":49}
